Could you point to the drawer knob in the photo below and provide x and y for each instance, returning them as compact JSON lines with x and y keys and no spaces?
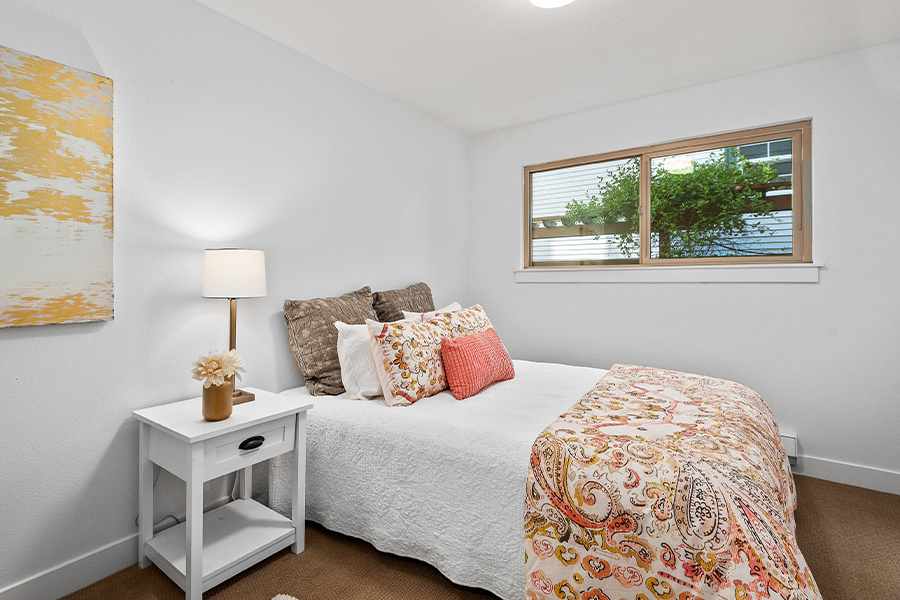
{"x":252,"y":443}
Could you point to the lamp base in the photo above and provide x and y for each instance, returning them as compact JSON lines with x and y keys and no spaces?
{"x":240,"y":396}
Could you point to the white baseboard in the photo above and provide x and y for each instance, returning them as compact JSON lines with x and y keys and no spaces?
{"x":77,"y":573}
{"x":84,"y":570}
{"x":871,"y":478}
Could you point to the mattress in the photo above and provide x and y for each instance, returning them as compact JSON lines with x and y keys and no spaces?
{"x":442,"y":480}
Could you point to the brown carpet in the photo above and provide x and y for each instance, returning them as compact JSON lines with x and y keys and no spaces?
{"x":850,"y":537}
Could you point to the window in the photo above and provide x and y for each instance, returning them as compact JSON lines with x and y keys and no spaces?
{"x":734,"y":198}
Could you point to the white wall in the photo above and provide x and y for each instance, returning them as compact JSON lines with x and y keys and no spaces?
{"x":824,"y":355}
{"x":222,"y":138}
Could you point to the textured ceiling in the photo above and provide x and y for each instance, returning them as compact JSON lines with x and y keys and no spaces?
{"x":481,"y":65}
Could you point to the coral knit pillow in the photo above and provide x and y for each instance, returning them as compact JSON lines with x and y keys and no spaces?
{"x":473,"y":362}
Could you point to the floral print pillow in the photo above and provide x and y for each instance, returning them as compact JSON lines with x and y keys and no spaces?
{"x":407,"y":354}
{"x":463,"y":322}
{"x":407,"y":357}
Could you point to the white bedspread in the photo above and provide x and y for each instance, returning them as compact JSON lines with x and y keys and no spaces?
{"x":442,"y":480}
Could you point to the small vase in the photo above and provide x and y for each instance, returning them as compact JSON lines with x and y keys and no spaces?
{"x":217,"y":401}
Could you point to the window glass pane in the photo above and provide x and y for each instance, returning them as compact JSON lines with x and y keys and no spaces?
{"x":724,"y":202}
{"x":586,"y":214}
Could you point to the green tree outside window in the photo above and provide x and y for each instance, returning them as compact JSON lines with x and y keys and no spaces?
{"x":697,"y":208}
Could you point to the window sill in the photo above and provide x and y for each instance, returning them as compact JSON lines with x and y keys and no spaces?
{"x":773,"y":273}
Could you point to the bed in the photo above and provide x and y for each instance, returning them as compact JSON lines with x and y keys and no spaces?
{"x":445,"y":481}
{"x":427,"y":480}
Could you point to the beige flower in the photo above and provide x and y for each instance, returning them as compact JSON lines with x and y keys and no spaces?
{"x":217,"y":367}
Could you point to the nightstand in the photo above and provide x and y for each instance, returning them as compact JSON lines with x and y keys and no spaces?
{"x":209,"y":548}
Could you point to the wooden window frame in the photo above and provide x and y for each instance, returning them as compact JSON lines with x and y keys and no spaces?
{"x":799,"y":132}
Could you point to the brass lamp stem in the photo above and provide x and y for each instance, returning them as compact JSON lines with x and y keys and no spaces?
{"x":238,"y":396}
{"x":232,"y":338}
{"x":232,"y":341}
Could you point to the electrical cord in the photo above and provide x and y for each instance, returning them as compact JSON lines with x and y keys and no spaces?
{"x":163,"y":520}
{"x":232,"y":496}
{"x":237,"y":478}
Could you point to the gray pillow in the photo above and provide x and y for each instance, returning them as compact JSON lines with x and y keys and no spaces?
{"x":312,"y":336}
{"x":389,"y":305}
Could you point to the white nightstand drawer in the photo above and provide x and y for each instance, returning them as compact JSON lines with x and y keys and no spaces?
{"x":224,"y":454}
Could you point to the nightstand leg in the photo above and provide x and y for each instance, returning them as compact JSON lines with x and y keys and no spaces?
{"x":145,"y":494}
{"x":194,"y":526}
{"x":245,"y":484}
{"x":298,"y":496}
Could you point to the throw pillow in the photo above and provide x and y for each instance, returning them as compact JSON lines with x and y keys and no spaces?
{"x":312,"y":336}
{"x":462,"y":322}
{"x":357,"y":367}
{"x":407,"y":357}
{"x":473,"y":362}
{"x":389,"y":305}
{"x":424,"y":316}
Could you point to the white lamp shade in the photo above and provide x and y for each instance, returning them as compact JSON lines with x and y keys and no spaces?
{"x":551,"y":3}
{"x":234,"y":273}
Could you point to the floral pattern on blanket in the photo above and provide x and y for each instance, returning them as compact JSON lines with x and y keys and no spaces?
{"x":662,"y":485}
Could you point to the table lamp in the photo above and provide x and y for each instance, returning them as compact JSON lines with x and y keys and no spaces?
{"x":234,"y":273}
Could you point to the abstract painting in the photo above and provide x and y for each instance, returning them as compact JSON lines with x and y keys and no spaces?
{"x":56,"y":193}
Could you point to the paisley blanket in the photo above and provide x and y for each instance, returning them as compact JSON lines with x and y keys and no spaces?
{"x":663,"y":485}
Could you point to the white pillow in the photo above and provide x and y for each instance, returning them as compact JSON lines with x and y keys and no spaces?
{"x":430,"y":315}
{"x":357,"y":368}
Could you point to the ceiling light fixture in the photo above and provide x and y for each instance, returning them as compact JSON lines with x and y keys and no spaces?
{"x":550,"y":3}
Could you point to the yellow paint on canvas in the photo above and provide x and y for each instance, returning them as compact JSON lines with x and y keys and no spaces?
{"x":56,"y":160}
{"x":50,"y":202}
{"x":71,"y":308}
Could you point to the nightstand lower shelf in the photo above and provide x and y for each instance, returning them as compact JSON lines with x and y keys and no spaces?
{"x":235,"y":536}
